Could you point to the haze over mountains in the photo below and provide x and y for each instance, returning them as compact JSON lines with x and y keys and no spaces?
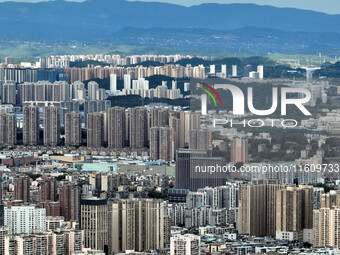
{"x":222,"y":25}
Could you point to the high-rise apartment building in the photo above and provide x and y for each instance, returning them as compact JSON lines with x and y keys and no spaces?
{"x":8,"y":93}
{"x":31,"y":125}
{"x":52,"y":208}
{"x":124,"y":225}
{"x":43,"y":62}
{"x":150,"y":235}
{"x":142,"y":219}
{"x":138,"y":127}
{"x":212,"y":69}
{"x":257,"y":207}
{"x":189,"y":121}
{"x":239,"y":150}
{"x":73,"y":241}
{"x":127,"y":81}
{"x":175,"y":124}
{"x":140,"y":83}
{"x":200,"y":139}
{"x":69,"y":201}
{"x":48,"y":188}
{"x":92,"y":89}
{"x":326,"y":227}
{"x":95,"y":129}
{"x":159,"y":117}
{"x":74,"y":87}
{"x":41,"y":243}
{"x":25,"y":92}
{"x":331,"y":199}
{"x":44,"y":91}
{"x":101,"y":94}
{"x":234,"y":71}
{"x":116,"y":127}
{"x":180,"y":116}
{"x":294,"y":210}
{"x":224,"y":71}
{"x":3,"y":233}
{"x":96,"y":106}
{"x":95,"y":181}
{"x":8,"y":129}
{"x":105,"y":127}
{"x":56,"y":242}
{"x":25,"y":219}
{"x":106,"y":182}
{"x":260,"y":71}
{"x":113,"y":82}
{"x":73,"y":129}
{"x":24,"y":244}
{"x":220,"y":197}
{"x":173,"y":85}
{"x":22,"y":188}
{"x":162,"y":143}
{"x":95,"y":220}
{"x":51,"y":125}
{"x":317,"y":193}
{"x":185,"y":245}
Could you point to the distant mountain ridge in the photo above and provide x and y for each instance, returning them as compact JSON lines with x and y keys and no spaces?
{"x":211,"y":29}
{"x":99,"y":19}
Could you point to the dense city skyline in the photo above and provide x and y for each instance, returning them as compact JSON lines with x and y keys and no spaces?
{"x":116,"y":145}
{"x":144,"y":128}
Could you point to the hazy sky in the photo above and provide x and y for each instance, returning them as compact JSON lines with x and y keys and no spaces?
{"x":328,"y":6}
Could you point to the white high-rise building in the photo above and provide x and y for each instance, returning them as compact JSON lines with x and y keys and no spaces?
{"x":134,"y":84}
{"x":174,"y":85}
{"x":234,"y":70}
{"x":127,"y":81}
{"x":260,"y":71}
{"x":113,"y":82}
{"x":65,"y":91}
{"x":92,"y":88}
{"x":221,"y":197}
{"x":141,"y":83}
{"x":25,"y":219}
{"x":185,"y":245}
{"x":212,"y":69}
{"x":145,"y":84}
{"x":224,"y":71}
{"x":74,"y":87}
{"x":187,"y":86}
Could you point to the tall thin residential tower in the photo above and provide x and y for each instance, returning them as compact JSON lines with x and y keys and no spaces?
{"x":73,"y":129}
{"x":51,"y":125}
{"x":116,"y":127}
{"x":31,"y":125}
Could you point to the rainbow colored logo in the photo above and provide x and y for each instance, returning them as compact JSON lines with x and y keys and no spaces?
{"x":210,"y":94}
